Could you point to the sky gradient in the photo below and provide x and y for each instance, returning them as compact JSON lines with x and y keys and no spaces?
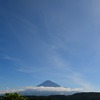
{"x":57,"y":40}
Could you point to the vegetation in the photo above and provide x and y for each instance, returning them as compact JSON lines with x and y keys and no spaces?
{"x":12,"y":96}
{"x":77,"y":96}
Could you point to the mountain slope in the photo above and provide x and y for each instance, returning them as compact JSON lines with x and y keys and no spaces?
{"x":49,"y":83}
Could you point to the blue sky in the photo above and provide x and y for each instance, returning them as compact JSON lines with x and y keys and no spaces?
{"x":50,"y":39}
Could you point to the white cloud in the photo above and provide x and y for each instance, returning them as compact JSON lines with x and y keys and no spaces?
{"x":53,"y":88}
{"x":30,"y":90}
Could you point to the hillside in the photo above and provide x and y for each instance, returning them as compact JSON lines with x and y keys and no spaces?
{"x":77,"y":96}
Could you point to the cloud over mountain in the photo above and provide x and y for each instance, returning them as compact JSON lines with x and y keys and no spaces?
{"x":45,"y":88}
{"x":44,"y":91}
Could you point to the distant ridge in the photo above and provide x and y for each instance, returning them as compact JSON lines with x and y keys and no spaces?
{"x":49,"y":83}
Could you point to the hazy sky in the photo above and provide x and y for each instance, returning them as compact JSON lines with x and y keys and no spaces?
{"x":57,"y":40}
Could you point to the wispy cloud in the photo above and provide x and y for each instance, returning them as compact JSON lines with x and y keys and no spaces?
{"x":66,"y":71}
{"x":60,"y":41}
{"x":10,"y":58}
{"x":6,"y":57}
{"x":78,"y":79}
{"x":31,"y":69}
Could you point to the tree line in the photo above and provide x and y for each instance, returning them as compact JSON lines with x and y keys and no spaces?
{"x":77,"y":96}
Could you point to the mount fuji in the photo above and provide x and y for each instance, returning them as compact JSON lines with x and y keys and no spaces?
{"x":48,"y":83}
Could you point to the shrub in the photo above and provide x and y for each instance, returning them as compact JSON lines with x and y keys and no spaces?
{"x":12,"y":96}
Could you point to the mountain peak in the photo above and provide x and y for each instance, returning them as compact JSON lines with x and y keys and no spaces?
{"x":49,"y":83}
